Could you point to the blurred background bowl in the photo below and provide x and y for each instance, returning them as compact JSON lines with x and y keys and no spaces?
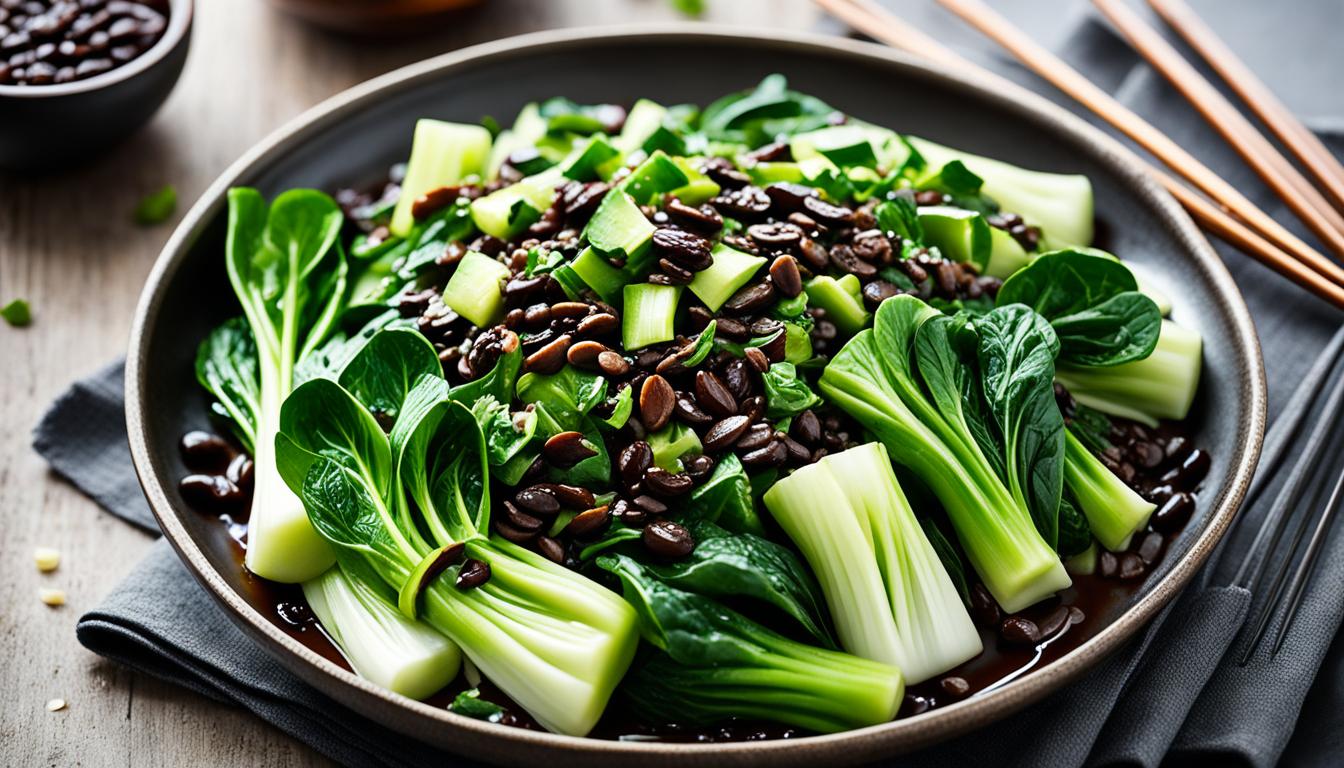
{"x":373,"y":17}
{"x":48,"y":127}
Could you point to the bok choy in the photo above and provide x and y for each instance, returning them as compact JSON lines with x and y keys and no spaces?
{"x":890,"y":597}
{"x":553,"y":641}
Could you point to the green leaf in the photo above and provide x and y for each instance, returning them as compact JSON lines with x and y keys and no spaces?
{"x":900,"y":216}
{"x":385,"y":369}
{"x":750,"y":567}
{"x":567,"y":395}
{"x":471,"y":704}
{"x":506,"y":434}
{"x":704,"y":344}
{"x":1093,"y":303}
{"x":226,"y":365}
{"x":156,"y":207}
{"x":725,"y":498}
{"x":755,"y":117}
{"x":1075,"y":535}
{"x":625,"y":405}
{"x":17,"y":313}
{"x":1017,"y":363}
{"x":786,"y":393}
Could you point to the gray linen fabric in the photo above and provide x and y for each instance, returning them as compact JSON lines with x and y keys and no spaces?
{"x":1175,"y":695}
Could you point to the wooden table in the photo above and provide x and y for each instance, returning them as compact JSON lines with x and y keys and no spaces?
{"x":67,"y":244}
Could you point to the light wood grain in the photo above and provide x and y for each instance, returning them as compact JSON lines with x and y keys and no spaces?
{"x":68,"y":246}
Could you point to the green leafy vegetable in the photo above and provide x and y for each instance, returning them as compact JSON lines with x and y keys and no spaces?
{"x":786,"y":393}
{"x":715,"y":663}
{"x":725,"y":498}
{"x":553,"y":641}
{"x":1093,"y":304}
{"x":17,"y":313}
{"x":156,"y":207}
{"x":874,"y":380}
{"x":890,"y":597}
{"x":1113,"y":510}
{"x":287,"y":268}
{"x":470,"y":703}
{"x":1160,"y":386}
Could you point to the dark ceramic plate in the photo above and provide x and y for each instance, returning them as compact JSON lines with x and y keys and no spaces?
{"x":354,"y":137}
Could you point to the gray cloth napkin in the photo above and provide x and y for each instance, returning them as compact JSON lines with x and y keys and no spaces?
{"x":1174,"y":694}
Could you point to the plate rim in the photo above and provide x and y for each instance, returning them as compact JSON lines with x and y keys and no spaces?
{"x":885,"y":739}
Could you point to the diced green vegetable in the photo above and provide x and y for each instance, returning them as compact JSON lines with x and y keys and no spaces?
{"x":731,"y":270}
{"x":619,"y":228}
{"x":598,"y":273}
{"x":585,"y":163}
{"x":644,"y":118}
{"x":470,"y":704}
{"x":508,"y":211}
{"x":654,"y":176}
{"x":382,"y":645}
{"x":157,"y":206}
{"x":17,"y":313}
{"x":476,"y":289}
{"x":698,"y":189}
{"x":672,"y":442}
{"x":841,"y":300}
{"x":1006,"y":255}
{"x":441,"y":154}
{"x":528,"y":128}
{"x":959,"y":234}
{"x":649,"y":313}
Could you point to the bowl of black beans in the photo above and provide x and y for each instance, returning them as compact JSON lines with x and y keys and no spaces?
{"x":77,"y":76}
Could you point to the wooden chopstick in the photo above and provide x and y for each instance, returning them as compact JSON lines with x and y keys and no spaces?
{"x":1069,"y":80}
{"x":1286,"y":181}
{"x":880,"y":24}
{"x":1299,"y":140}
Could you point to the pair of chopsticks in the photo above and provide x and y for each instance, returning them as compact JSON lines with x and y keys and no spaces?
{"x":1225,"y":212}
{"x":1286,"y":584}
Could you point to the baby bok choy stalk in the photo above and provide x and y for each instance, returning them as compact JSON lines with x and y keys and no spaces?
{"x":1160,"y":386}
{"x":553,"y":641}
{"x":1114,"y":511}
{"x":383,"y":646}
{"x":712,"y":663}
{"x":890,"y":597}
{"x":934,"y":419}
{"x":286,"y":265}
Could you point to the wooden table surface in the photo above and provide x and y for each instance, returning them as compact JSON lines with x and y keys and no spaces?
{"x":67,"y":245}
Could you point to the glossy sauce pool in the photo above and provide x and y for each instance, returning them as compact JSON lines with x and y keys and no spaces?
{"x":1092,"y":599}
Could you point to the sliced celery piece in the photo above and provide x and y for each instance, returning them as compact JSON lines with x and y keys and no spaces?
{"x":1006,"y":255}
{"x":585,"y":163}
{"x":764,"y":174}
{"x":648,"y":314}
{"x":1060,"y":204}
{"x":506,"y":212}
{"x":597,"y":273}
{"x":383,"y":646}
{"x":731,"y":270}
{"x":850,"y":145}
{"x":618,"y":227}
{"x":698,"y":189}
{"x":528,"y":128}
{"x":960,"y":235}
{"x":841,"y":300}
{"x":441,"y":154}
{"x":672,"y":442}
{"x":475,"y":291}
{"x":654,"y":176}
{"x":644,"y":118}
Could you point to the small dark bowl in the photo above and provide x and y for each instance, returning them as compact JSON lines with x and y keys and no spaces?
{"x":50,"y":126}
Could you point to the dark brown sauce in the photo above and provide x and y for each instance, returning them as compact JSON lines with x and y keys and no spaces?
{"x":1098,"y":598}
